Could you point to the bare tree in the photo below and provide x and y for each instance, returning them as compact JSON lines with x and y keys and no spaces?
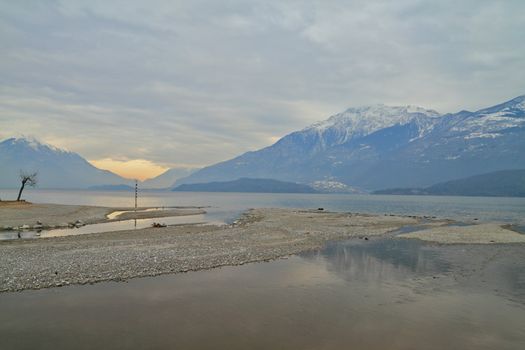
{"x":29,"y":179}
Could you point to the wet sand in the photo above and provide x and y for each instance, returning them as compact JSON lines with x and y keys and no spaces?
{"x":16,"y":214}
{"x":23,"y":213}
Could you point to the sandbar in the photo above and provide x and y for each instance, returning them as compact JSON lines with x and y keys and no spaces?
{"x":486,"y":233}
{"x":261,"y":234}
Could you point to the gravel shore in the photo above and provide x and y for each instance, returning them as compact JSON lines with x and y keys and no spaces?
{"x":261,"y":234}
{"x":471,"y":234}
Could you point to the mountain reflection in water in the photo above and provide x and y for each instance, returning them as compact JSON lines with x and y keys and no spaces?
{"x":375,"y":294}
{"x":381,"y":259}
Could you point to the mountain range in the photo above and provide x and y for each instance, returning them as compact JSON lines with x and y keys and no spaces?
{"x":504,"y":183}
{"x":378,"y":147}
{"x":58,"y":168}
{"x":366,"y":148}
{"x":167,"y":179}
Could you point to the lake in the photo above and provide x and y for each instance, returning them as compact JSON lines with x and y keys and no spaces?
{"x":383,"y":293}
{"x":377,"y":294}
{"x":226,"y":207}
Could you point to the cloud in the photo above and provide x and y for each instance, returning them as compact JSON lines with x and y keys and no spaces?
{"x":197,"y":82}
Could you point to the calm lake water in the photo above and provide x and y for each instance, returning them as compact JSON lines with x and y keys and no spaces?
{"x":377,"y":294}
{"x":228,"y":206}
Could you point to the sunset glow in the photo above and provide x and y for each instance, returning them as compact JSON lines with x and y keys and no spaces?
{"x":139,"y":169}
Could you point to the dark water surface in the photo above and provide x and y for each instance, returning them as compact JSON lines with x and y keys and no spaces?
{"x":357,"y":294}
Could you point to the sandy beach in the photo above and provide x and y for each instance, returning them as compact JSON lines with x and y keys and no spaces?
{"x":15,"y":214}
{"x":24,"y":213}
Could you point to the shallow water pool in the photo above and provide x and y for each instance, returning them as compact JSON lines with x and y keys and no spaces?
{"x":377,"y":294}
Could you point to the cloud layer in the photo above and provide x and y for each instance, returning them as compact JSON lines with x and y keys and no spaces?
{"x":197,"y":82}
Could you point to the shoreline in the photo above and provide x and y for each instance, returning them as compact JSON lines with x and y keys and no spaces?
{"x":51,"y":216}
{"x":259,"y":235}
{"x":485,"y":233}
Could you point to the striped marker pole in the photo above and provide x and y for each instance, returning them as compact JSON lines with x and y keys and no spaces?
{"x":136,"y":192}
{"x":136,"y":195}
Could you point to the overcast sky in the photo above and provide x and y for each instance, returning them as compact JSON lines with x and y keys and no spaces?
{"x":189,"y":83}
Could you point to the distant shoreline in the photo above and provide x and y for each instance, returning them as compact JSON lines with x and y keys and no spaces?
{"x":504,"y":183}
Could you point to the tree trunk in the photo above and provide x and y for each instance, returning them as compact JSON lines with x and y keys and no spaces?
{"x":21,"y":189}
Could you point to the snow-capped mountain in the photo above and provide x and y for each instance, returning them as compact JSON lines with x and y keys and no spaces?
{"x":379,"y":146}
{"x":57,"y":168}
{"x":494,"y":121}
{"x":356,"y":123}
{"x":363,"y":121}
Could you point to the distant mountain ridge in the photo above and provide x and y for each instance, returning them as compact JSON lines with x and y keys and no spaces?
{"x":57,"y":168}
{"x":505,"y":183}
{"x":361,"y":149}
{"x":379,"y":146}
{"x":247,"y":185}
{"x":167,"y":179}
